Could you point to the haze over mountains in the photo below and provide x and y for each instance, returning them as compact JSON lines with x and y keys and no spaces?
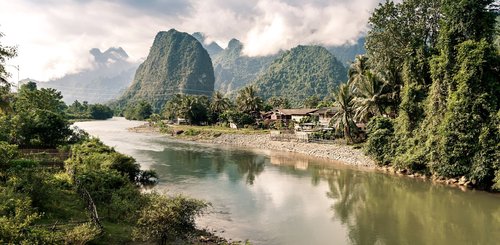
{"x":110,"y":74}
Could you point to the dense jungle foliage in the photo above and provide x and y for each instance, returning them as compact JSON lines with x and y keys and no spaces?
{"x":438,"y":88}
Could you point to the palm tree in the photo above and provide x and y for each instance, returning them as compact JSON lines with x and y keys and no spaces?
{"x":343,"y":118}
{"x":358,"y":69}
{"x":248,"y":101}
{"x":370,"y":94}
{"x":219,"y":103}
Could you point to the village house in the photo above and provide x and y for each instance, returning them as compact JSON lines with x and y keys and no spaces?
{"x":325,"y":115}
{"x":287,"y":115}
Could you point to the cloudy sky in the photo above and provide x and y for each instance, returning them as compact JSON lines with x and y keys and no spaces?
{"x":54,"y":36}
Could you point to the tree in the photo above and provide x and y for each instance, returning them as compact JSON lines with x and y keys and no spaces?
{"x":311,"y":101}
{"x":194,"y":109}
{"x":138,"y":111}
{"x":38,"y":118}
{"x":370,"y":94}
{"x":278,"y":102}
{"x":248,"y":101}
{"x":99,"y":112}
{"x":358,"y":69}
{"x":171,"y":108}
{"x":166,"y":218}
{"x":218,"y":104}
{"x":343,"y":118}
{"x":6,"y":52}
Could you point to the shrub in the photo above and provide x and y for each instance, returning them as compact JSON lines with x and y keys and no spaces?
{"x":7,"y":152}
{"x":81,"y":234}
{"x":166,"y":218}
{"x":380,"y":140}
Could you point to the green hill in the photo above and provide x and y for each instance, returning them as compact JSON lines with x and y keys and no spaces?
{"x":177,"y":63}
{"x":302,"y":72}
{"x":233,"y":70}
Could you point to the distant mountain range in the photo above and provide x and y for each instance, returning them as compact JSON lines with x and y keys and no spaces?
{"x":176,"y":64}
{"x":110,"y":74}
{"x":183,"y":63}
{"x":234,"y":70}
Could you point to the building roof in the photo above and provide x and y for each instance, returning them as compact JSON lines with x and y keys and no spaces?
{"x":326,"y":110}
{"x":296,"y":112}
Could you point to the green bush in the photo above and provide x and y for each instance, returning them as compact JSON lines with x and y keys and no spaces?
{"x":380,"y":141}
{"x":7,"y":152}
{"x":167,"y":218}
{"x":81,"y":234}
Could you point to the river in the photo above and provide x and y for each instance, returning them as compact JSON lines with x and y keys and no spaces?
{"x":279,"y":198}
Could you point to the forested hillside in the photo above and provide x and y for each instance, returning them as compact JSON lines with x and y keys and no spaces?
{"x":300,"y":73}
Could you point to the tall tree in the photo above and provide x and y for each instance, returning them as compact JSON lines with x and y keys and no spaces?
{"x":343,"y":118}
{"x":6,"y":52}
{"x":219,"y":103}
{"x":248,"y":101}
{"x":370,"y":94}
{"x":358,"y":69}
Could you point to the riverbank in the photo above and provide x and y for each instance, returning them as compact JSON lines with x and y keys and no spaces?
{"x":341,"y":153}
{"x":255,"y":139}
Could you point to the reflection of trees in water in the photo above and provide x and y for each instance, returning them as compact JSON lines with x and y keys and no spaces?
{"x":380,"y":209}
{"x":251,"y":167}
{"x":245,"y":163}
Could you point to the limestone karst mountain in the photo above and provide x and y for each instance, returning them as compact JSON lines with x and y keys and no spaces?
{"x":177,"y":63}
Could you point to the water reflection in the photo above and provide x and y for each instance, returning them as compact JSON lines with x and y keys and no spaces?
{"x":281,"y":198}
{"x":380,"y":209}
{"x":374,"y":208}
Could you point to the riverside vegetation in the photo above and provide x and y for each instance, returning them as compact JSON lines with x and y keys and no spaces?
{"x":59,"y":186}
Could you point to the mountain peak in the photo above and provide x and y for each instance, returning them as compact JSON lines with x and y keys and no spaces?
{"x":112,"y":54}
{"x":176,"y":63}
{"x":234,"y":44}
{"x":212,"y":48}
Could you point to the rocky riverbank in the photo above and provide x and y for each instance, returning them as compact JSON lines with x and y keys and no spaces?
{"x":345,"y":154}
{"x":342,"y":153}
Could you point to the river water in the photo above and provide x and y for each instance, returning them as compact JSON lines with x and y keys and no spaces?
{"x":282,"y":198}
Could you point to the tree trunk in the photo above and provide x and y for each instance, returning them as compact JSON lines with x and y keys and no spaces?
{"x":347,"y":130}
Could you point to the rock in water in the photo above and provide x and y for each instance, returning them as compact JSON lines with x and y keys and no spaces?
{"x":177,"y":64}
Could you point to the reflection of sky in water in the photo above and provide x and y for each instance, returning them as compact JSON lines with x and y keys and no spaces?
{"x":283,"y":198}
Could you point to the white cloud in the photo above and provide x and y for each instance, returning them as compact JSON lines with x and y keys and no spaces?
{"x":54,"y":37}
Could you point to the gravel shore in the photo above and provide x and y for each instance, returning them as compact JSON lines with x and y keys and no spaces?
{"x":342,"y":153}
